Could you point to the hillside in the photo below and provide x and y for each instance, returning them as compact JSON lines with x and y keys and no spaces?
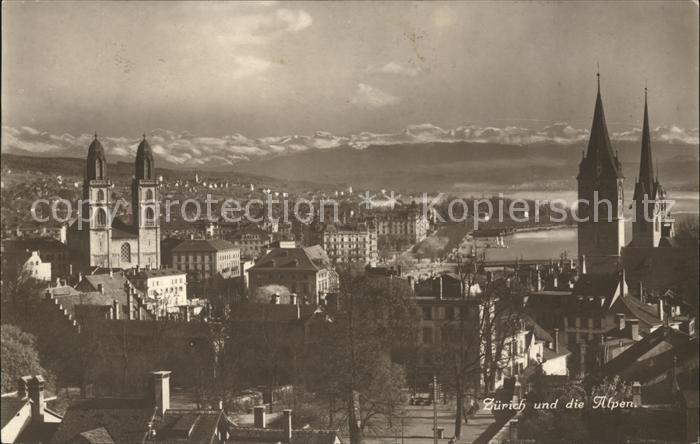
{"x":462,"y":165}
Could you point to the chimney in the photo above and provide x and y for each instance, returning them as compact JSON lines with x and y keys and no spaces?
{"x":620,"y":321}
{"x":160,"y":390}
{"x":259,"y":419}
{"x":100,"y":288}
{"x":115,"y":308}
{"x":538,"y":286}
{"x":188,"y":316}
{"x":660,"y":309}
{"x":556,"y":340}
{"x":287,"y":425}
{"x":129,"y":306}
{"x":36,"y":395}
{"x":582,"y":266}
{"x":293,"y":299}
{"x":622,"y":282}
{"x":80,"y":277}
{"x":634,"y":329}
{"x":23,"y":387}
{"x":641,"y":291}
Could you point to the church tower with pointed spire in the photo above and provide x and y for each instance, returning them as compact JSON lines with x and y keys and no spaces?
{"x":650,"y":222}
{"x":145,"y":207}
{"x":601,"y":234}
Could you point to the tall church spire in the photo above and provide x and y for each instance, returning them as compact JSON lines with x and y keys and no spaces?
{"x":646,"y":165}
{"x":600,"y":159}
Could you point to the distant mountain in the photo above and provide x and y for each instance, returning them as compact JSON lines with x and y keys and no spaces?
{"x":419,"y":158}
{"x":463,"y":166}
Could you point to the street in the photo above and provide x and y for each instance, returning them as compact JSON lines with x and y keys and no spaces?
{"x":418,"y":427}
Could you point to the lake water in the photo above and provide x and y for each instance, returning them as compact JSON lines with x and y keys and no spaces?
{"x":550,"y":244}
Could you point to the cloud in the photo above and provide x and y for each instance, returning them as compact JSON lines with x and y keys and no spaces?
{"x":371,"y":97}
{"x":668,"y":134}
{"x":245,"y":66}
{"x":258,"y":27}
{"x":183,"y":148}
{"x":395,"y":69}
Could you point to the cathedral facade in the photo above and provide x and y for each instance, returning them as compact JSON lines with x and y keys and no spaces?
{"x":101,"y":239}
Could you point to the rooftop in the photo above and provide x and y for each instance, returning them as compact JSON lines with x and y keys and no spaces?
{"x":305,"y":258}
{"x":126,"y":420}
{"x":203,"y":245}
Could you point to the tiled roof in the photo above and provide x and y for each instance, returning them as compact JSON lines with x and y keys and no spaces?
{"x":635,"y":309}
{"x":78,"y":303}
{"x":540,"y":333}
{"x":307,"y":258}
{"x":125,"y":421}
{"x":647,"y":369}
{"x":157,"y":272}
{"x":548,"y":353}
{"x":203,"y":245}
{"x":114,"y":282}
{"x":99,"y":435}
{"x":33,"y":244}
{"x":628,"y":362}
{"x":590,"y":285}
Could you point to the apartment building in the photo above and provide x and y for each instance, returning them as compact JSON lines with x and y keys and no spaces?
{"x":210,"y":257}
{"x":351,"y":243}
{"x":405,"y":224}
{"x":305,"y":271}
{"x":166,"y":285}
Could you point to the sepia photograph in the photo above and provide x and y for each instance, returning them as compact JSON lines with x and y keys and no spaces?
{"x":350,"y":222}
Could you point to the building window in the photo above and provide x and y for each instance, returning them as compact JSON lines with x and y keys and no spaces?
{"x":427,"y":313}
{"x":149,"y":194}
{"x":99,"y":170}
{"x":100,"y":195}
{"x":150,"y":216}
{"x":126,"y":252}
{"x":101,"y":217}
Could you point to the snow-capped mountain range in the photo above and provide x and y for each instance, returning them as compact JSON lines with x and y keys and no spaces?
{"x":184,"y":148}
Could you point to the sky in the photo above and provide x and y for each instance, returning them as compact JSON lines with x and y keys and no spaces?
{"x":270,"y":69}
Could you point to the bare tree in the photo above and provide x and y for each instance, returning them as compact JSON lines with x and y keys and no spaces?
{"x":472,"y":351}
{"x":352,"y":358}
